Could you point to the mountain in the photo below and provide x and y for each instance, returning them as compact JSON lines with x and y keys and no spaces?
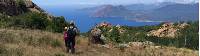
{"x":165,"y":11}
{"x":176,"y":12}
{"x":16,"y":7}
{"x":141,"y":7}
{"x":111,"y":11}
{"x":120,"y":11}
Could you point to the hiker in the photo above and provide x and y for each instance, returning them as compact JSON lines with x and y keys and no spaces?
{"x":95,"y":36}
{"x":69,"y":37}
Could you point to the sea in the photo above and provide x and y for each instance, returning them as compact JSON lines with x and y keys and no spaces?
{"x":84,"y":22}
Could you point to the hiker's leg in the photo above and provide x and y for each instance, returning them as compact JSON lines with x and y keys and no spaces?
{"x":73,"y":46}
{"x":66,"y":45}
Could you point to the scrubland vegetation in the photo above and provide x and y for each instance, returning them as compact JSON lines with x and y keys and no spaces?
{"x":186,"y":37}
{"x":39,"y":34}
{"x":26,"y":42}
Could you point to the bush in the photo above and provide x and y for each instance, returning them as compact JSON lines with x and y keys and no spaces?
{"x":57,"y":24}
{"x":31,"y":20}
{"x":114,"y":35}
{"x":34,"y":20}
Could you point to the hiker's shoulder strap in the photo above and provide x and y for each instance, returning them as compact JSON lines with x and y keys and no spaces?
{"x":73,"y":28}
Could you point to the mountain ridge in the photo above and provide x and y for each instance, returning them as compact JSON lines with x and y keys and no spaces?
{"x":111,"y":11}
{"x":158,"y":12}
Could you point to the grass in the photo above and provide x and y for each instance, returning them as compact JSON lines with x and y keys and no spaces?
{"x":25,"y":42}
{"x":19,"y":42}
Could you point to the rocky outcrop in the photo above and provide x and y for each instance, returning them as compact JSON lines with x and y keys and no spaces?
{"x":167,"y":30}
{"x":104,"y":24}
{"x":16,"y":7}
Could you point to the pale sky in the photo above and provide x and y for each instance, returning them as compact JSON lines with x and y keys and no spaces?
{"x":101,"y":2}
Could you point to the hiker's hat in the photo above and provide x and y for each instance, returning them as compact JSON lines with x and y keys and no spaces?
{"x":65,"y":28}
{"x":71,"y":23}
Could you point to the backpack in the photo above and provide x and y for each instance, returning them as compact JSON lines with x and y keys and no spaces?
{"x":71,"y":32}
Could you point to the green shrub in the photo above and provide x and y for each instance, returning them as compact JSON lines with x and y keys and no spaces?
{"x":57,"y":24}
{"x":114,"y":35}
{"x":31,"y":20}
{"x":20,"y":2}
{"x":34,"y":20}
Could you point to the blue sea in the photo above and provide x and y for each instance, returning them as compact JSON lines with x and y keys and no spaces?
{"x":84,"y":22}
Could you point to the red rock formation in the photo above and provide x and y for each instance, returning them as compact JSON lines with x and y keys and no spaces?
{"x":167,"y":30}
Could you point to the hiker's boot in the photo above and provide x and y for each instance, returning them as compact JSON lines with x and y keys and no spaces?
{"x":67,"y":50}
{"x":73,"y":50}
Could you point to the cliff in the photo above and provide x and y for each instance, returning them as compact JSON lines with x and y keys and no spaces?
{"x":16,"y":7}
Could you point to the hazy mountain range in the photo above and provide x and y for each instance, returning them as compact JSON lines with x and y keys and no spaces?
{"x":166,"y":11}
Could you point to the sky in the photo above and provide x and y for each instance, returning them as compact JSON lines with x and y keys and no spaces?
{"x":101,"y":2}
